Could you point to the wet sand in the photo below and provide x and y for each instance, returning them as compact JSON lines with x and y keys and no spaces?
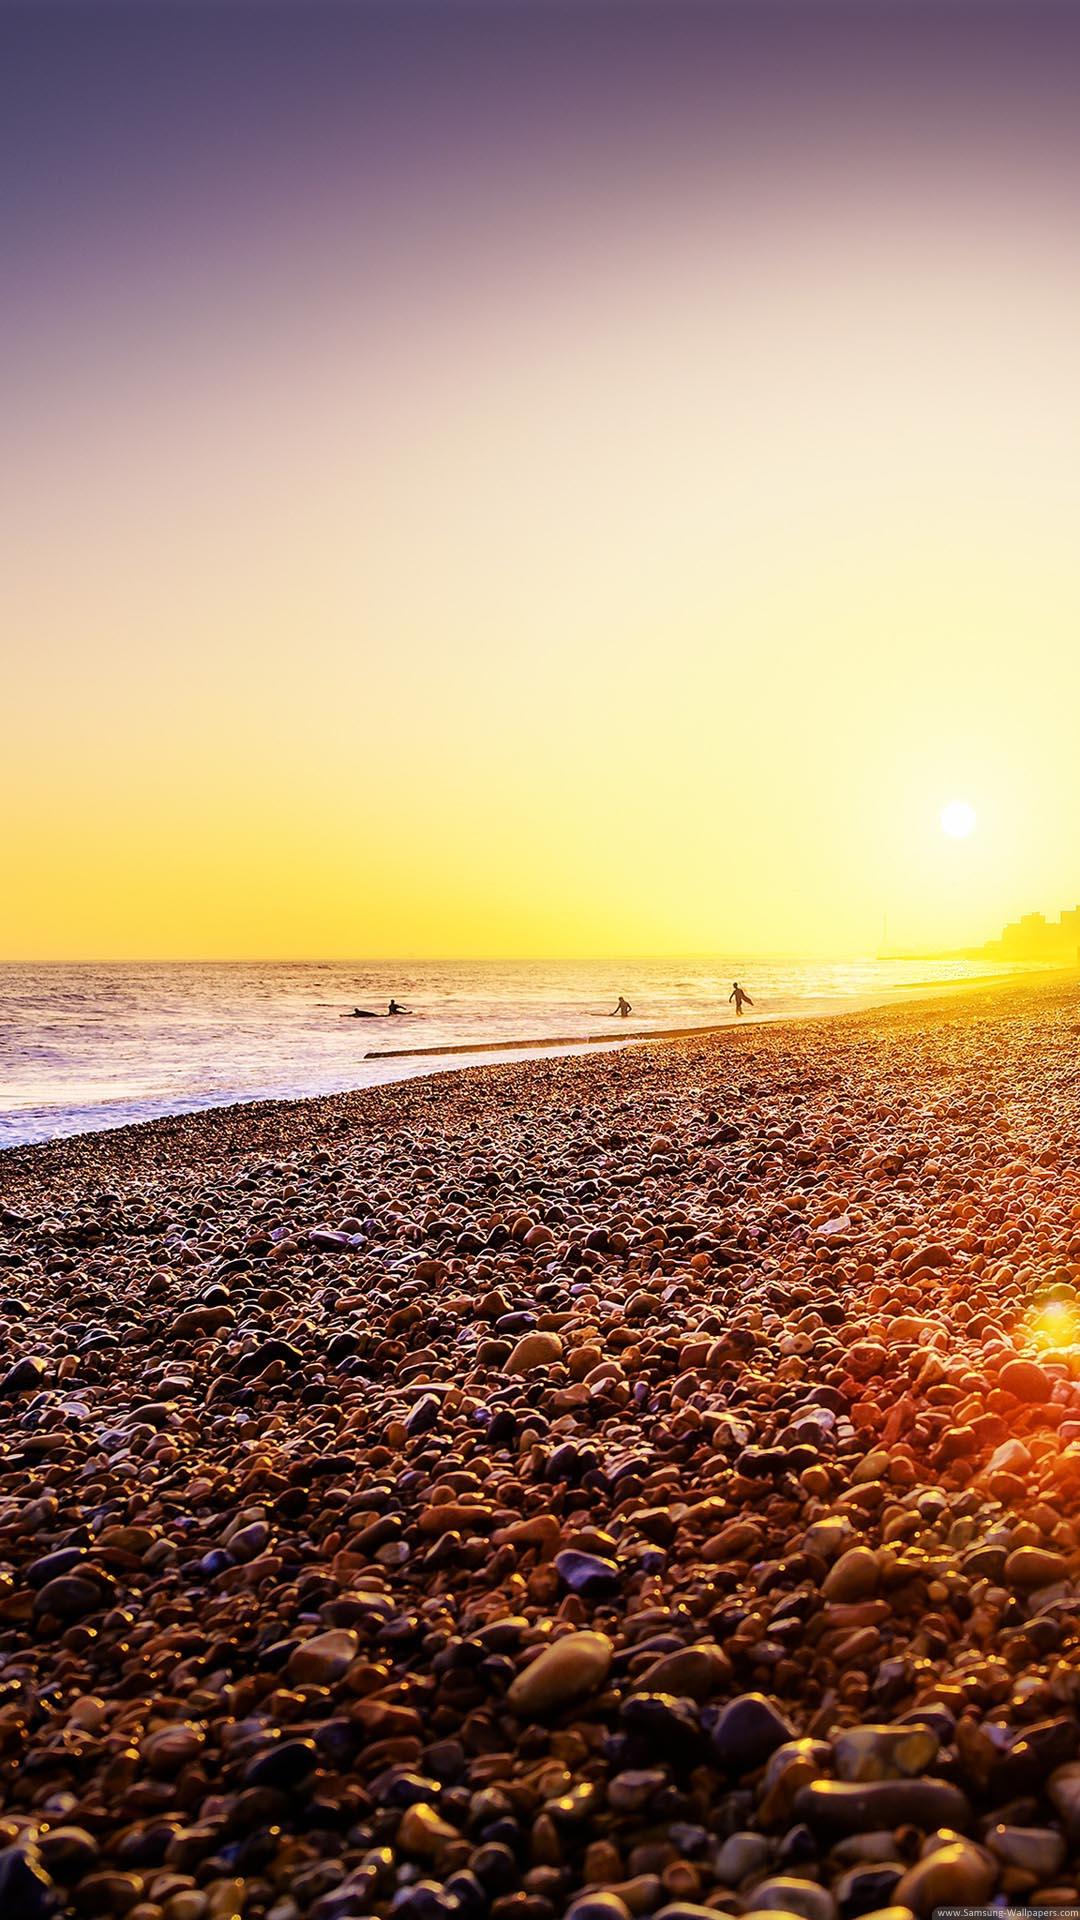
{"x":614,"y":1484}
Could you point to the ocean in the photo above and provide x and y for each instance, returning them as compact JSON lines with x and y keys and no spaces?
{"x":85,"y":1047}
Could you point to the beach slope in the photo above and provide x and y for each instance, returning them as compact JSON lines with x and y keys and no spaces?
{"x":458,"y":1497}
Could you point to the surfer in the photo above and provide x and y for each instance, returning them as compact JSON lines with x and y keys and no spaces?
{"x":622,"y":1007}
{"x":740,"y":997}
{"x":394,"y":1008}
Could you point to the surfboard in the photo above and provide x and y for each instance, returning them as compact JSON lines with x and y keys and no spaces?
{"x":363,"y":1013}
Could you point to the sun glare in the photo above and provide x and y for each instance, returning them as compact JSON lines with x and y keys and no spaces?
{"x":1055,"y":1324}
{"x":958,"y":819}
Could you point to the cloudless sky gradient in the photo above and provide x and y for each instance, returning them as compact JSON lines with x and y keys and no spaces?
{"x":529,"y":479}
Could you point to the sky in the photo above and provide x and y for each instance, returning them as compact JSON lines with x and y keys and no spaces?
{"x":536,"y":479}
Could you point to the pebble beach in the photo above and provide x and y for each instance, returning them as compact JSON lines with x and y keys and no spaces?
{"x":642,"y":1484}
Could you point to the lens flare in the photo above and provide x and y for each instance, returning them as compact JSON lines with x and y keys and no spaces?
{"x":1056,"y":1323}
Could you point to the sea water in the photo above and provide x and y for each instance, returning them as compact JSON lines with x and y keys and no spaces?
{"x":83,"y":1047}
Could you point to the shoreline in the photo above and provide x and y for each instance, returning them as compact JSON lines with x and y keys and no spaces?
{"x":570,"y":1437}
{"x":224,"y":1128}
{"x":915,"y":993}
{"x":859,"y":1003}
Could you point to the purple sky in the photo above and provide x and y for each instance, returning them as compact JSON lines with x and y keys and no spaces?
{"x":499,"y":350}
{"x":153,"y":138}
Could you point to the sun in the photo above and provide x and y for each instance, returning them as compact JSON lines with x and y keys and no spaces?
{"x":958,"y":819}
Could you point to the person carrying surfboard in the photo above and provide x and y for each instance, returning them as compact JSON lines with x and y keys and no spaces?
{"x":622,"y":1007}
{"x":740,"y":997}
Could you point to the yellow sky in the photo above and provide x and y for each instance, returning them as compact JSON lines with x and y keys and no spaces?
{"x":576,"y":591}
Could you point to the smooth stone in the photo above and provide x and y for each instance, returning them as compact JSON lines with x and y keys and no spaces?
{"x":109,"y":1893}
{"x":587,"y":1573}
{"x":67,"y":1852}
{"x":598,"y":1906}
{"x":250,"y":1364}
{"x":26,"y":1890}
{"x":423,"y":1832}
{"x":285,"y":1764}
{"x":883,"y":1752}
{"x":324,"y":1658}
{"x":1011,"y":1457}
{"x":1032,"y":1755}
{"x":1026,"y":1380}
{"x":534,"y":1350}
{"x":861,"y":1887}
{"x":747,"y":1731}
{"x":858,"y":1848}
{"x":1037,"y":1850}
{"x":52,"y":1565}
{"x":985,"y":1562}
{"x":1028,"y":1568}
{"x":786,"y":1894}
{"x":1063,"y":1789}
{"x":26,"y":1376}
{"x":955,"y":1875}
{"x":839,"y":1807}
{"x":797,"y":1850}
{"x":69,"y":1598}
{"x":740,"y":1855}
{"x":168,"y":1749}
{"x":669,"y":1726}
{"x":424,"y":1416}
{"x":693,"y":1672}
{"x":825,"y":1538}
{"x":568,"y":1670}
{"x":813,"y":1756}
{"x":631,"y":1790}
{"x":248,"y":1541}
{"x":855,"y":1576}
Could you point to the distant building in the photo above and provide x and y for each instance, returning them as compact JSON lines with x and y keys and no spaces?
{"x":1037,"y":938}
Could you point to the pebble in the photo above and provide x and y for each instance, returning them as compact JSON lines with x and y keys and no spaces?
{"x":1037,"y":1850}
{"x":572,"y":1668}
{"x":324,"y":1658}
{"x":598,"y":1906}
{"x":854,"y":1576}
{"x":884,"y":1752}
{"x":534,"y":1350}
{"x":784,"y":1894}
{"x":741,"y":1855}
{"x":957,"y":1874}
{"x":836,"y":1807}
{"x":1026,"y":1380}
{"x":619,"y":1486}
{"x":422,"y":1832}
{"x":68,"y":1597}
{"x":748,"y":1729}
{"x":26,"y":1376}
{"x":587,"y":1573}
{"x":1030,"y":1567}
{"x":696,"y":1672}
{"x":26,"y":1890}
{"x":67,"y":1852}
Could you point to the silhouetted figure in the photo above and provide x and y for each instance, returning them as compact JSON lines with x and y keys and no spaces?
{"x":740,"y":996}
{"x":622,"y":1007}
{"x":394,"y":1008}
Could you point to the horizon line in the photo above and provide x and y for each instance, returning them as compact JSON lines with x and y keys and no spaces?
{"x":490,"y":959}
